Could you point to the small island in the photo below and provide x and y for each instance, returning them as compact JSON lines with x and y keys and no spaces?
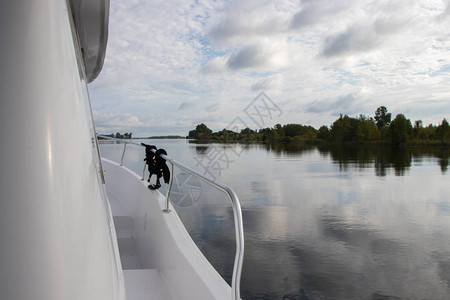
{"x":128,"y":136}
{"x":377,"y":130}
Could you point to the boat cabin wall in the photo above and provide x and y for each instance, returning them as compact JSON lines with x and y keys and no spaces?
{"x":55,"y":227}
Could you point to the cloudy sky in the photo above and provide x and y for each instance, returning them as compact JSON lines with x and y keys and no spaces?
{"x":173,"y":64}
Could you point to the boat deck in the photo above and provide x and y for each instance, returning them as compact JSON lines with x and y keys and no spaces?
{"x":140,"y":284}
{"x":145,"y":284}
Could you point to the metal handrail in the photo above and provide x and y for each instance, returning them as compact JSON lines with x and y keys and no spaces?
{"x":237,"y":211}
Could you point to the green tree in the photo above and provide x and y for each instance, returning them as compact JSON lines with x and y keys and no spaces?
{"x":344,"y":129}
{"x":382,"y":117}
{"x":443,"y":131}
{"x":247,"y":135}
{"x":279,"y":131}
{"x":418,"y":127}
{"x":225,"y":135}
{"x":192,"y":134}
{"x":127,"y":135}
{"x":399,"y":130}
{"x":367,"y":130}
{"x":292,"y":130}
{"x":202,"y":132}
{"x":323,"y":133}
{"x":247,"y":131}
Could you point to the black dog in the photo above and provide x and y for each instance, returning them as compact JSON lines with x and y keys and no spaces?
{"x":162,"y":170}
{"x":156,"y":165}
{"x":150,"y":159}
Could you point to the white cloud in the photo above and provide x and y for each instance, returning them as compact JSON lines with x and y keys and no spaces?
{"x":314,"y":12}
{"x":186,"y":105}
{"x":372,"y":29}
{"x":258,"y":56}
{"x":217,"y":64}
{"x":171,"y":64}
{"x":346,"y":104}
{"x":213,"y":107}
{"x":268,"y":83}
{"x":114,"y":122}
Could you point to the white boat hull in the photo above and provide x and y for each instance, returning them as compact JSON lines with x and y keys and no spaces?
{"x":161,"y":241}
{"x":56,"y":235}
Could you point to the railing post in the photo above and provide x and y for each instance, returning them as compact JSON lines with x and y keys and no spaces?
{"x":143,"y":172}
{"x":123,"y":153}
{"x":237,"y":212}
{"x":239,"y":256}
{"x":167,"y":210}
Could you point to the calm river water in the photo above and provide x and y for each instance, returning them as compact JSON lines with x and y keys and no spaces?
{"x":320,"y":223}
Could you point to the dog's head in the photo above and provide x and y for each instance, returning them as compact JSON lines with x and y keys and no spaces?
{"x":158,"y":155}
{"x":148,"y":151}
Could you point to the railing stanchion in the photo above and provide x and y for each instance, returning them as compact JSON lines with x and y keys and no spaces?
{"x":123,"y":153}
{"x":237,"y":212}
{"x":167,"y":210}
{"x":143,"y":172}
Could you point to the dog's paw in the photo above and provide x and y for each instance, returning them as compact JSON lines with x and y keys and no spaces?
{"x":154,"y":186}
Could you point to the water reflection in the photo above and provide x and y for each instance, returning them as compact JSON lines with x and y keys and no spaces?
{"x":327,"y":223}
{"x":443,"y":162}
{"x":383,"y":158}
{"x":321,"y":235}
{"x":292,"y":149}
{"x":201,"y":149}
{"x":341,"y":260}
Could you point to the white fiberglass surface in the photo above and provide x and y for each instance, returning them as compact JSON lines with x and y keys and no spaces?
{"x":54,"y":222}
{"x":162,"y":242}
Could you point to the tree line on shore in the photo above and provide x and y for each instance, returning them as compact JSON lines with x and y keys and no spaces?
{"x":380,"y":129}
{"x":118,"y":135}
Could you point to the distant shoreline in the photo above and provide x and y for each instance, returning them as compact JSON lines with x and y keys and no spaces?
{"x":126,"y":137}
{"x":166,"y":137}
{"x":321,"y":142}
